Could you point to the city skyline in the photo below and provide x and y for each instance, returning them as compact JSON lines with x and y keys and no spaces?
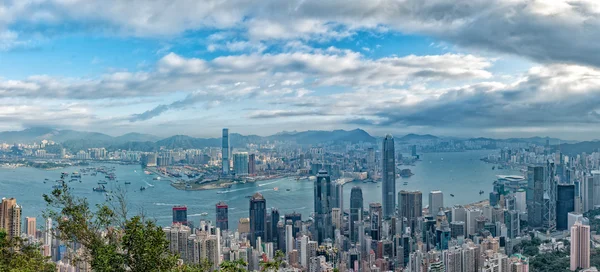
{"x":388,"y":66}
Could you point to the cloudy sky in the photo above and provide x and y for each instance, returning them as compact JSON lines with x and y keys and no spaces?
{"x":497,"y":68}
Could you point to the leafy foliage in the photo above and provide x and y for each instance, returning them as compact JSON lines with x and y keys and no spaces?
{"x":16,"y":255}
{"x":550,"y":262}
{"x":274,"y":264}
{"x":529,"y":248}
{"x":238,"y":265}
{"x":111,"y":240}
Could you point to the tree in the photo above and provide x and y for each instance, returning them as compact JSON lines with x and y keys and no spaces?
{"x":238,"y":265}
{"x":275,"y":264}
{"x":111,"y":240}
{"x":16,"y":255}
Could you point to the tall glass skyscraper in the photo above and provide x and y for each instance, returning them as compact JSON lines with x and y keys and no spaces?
{"x":565,"y":204}
{"x":222,"y":216}
{"x":535,"y":195}
{"x":356,"y":207}
{"x":258,"y":218}
{"x":225,"y":151}
{"x":388,"y":177}
{"x":323,"y":197}
{"x":240,"y":163}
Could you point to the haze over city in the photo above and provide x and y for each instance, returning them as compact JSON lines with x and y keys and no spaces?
{"x":455,"y":68}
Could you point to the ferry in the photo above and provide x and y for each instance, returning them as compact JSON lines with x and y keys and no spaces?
{"x":276,"y":189}
{"x":100,"y":188}
{"x":156,"y":178}
{"x":204,"y":214}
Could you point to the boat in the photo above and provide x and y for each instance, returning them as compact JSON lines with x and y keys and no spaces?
{"x":493,"y":167}
{"x":288,"y":190}
{"x":156,"y":178}
{"x":127,"y":182}
{"x":248,"y":196}
{"x":142,"y":188}
{"x":204,"y":214}
{"x":56,"y":186}
{"x":276,"y":189}
{"x":221,"y":192}
{"x":452,"y":195}
{"x":405,"y":173}
{"x":481,"y":192}
{"x":101,"y":182}
{"x":405,"y":183}
{"x":100,"y":188}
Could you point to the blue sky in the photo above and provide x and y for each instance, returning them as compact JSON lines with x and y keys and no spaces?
{"x":500,"y":68}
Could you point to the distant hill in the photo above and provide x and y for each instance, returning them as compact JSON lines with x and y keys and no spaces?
{"x":321,"y":136}
{"x":578,"y":148}
{"x":136,"y":137}
{"x":417,"y":137}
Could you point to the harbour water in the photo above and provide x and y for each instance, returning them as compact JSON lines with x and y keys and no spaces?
{"x":459,"y":173}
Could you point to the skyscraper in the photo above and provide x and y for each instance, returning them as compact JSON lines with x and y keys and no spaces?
{"x":410,"y":206}
{"x":180,"y":215}
{"x":564,"y":205}
{"x":436,"y":201}
{"x":240,"y":163}
{"x":31,"y":226}
{"x":375,"y":211}
{"x":356,"y":206}
{"x":222,"y":216}
{"x":580,"y":246}
{"x":258,"y":218}
{"x":535,"y":195}
{"x":274,"y":235}
{"x":550,"y":184}
{"x":225,"y":151}
{"x":10,"y":217}
{"x":388,"y":177}
{"x":323,"y":203}
{"x":252,"y":164}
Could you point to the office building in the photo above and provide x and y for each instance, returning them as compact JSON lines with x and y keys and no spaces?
{"x":356,"y":207}
{"x":225,"y":151}
{"x":587,"y":193}
{"x":565,"y":204}
{"x":550,"y":196}
{"x":274,"y":231}
{"x":410,"y":207}
{"x":512,"y":223}
{"x":436,"y":202}
{"x":10,"y":217}
{"x":258,"y":218}
{"x":535,"y":195}
{"x":388,"y":177}
{"x":180,"y":215}
{"x":580,"y":246}
{"x":222,"y":216}
{"x":457,"y":228}
{"x":240,"y":163}
{"x":252,"y":164}
{"x":375,"y":211}
{"x":323,"y":197}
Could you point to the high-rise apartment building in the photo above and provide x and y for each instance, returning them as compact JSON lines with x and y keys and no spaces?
{"x":388,"y":177}
{"x":10,"y":217}
{"x":580,"y":246}
{"x":31,"y":226}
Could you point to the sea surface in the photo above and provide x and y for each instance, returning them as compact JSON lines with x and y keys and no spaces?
{"x":458,"y":173}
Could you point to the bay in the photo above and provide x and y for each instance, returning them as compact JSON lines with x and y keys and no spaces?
{"x":458,"y":173}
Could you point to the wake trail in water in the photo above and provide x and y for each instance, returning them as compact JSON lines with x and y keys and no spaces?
{"x":260,"y":185}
